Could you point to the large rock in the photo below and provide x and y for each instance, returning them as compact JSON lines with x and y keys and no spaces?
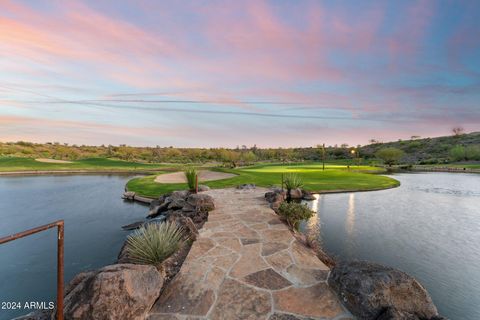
{"x":203,"y":188}
{"x":186,"y":223}
{"x":369,"y":289}
{"x":275,"y":198}
{"x":119,"y":291}
{"x":177,"y":203}
{"x":128,"y":195}
{"x":296,"y":194}
{"x":201,"y":202}
{"x":246,"y":186}
{"x":308,"y":195}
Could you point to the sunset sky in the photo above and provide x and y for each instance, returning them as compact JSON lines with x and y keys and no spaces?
{"x":228,"y":73}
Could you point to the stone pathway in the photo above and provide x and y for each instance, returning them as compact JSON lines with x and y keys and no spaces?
{"x":247,"y":265}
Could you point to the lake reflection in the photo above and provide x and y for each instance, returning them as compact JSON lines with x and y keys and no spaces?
{"x":93,"y":213}
{"x":428,"y":227}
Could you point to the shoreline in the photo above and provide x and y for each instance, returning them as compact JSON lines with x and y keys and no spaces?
{"x":73,"y":172}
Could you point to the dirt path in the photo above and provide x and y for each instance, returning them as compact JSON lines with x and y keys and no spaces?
{"x":246,"y":264}
{"x":203,"y":175}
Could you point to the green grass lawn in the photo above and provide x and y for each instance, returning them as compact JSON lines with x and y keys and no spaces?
{"x":335,"y":177}
{"x":311,"y":166}
{"x":27,"y":164}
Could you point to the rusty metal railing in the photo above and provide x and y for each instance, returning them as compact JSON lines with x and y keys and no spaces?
{"x":60,"y":235}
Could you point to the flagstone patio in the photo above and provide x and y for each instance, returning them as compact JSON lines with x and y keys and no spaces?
{"x":246,"y":264}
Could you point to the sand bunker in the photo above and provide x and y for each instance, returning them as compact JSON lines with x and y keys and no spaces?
{"x":52,"y":161}
{"x":179,"y":177}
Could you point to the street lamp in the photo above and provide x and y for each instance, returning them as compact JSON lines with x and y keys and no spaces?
{"x":355,"y":154}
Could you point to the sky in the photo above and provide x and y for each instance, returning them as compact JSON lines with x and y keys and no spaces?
{"x":227,"y":73}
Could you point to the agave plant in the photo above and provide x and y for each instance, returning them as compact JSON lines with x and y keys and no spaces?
{"x":292,"y":181}
{"x":155,"y":242}
{"x":191,"y":175}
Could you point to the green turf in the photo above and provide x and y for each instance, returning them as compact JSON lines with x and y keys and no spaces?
{"x":95,"y":164}
{"x":315,"y":180}
{"x":311,"y":166}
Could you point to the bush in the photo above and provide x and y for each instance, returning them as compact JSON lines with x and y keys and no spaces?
{"x":457,"y":153}
{"x":294,"y":212}
{"x":154,"y":243}
{"x":191,"y":174}
{"x":292,"y":181}
{"x":390,"y":156}
{"x":472,"y":152}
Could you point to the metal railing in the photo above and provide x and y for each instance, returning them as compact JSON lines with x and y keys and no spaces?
{"x":60,"y":236}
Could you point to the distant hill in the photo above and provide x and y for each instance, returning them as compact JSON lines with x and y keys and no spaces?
{"x":432,"y":150}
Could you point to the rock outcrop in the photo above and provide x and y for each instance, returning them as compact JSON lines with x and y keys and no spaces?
{"x":374,"y":291}
{"x":275,"y":198}
{"x":120,"y":291}
{"x":295,"y":194}
{"x":178,"y":203}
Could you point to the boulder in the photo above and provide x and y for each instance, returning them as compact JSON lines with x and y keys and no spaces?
{"x":134,"y":225}
{"x":186,"y":223}
{"x":270,"y":196}
{"x":246,"y":186}
{"x":275,"y":198}
{"x":394,"y":314}
{"x":128,"y":195}
{"x":369,"y":289}
{"x":143,"y":200}
{"x":183,"y":194}
{"x":296,"y":194}
{"x":275,"y":195}
{"x":119,"y":291}
{"x":201,"y":202}
{"x":176,"y":203}
{"x":157,"y":210}
{"x":307,"y":195}
{"x":188,"y":208}
{"x":202,"y":188}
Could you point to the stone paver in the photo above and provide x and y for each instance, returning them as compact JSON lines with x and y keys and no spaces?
{"x":246,"y":264}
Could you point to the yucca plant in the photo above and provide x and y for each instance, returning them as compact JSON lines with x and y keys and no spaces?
{"x":191,"y":175}
{"x":292,"y":181}
{"x":155,"y":242}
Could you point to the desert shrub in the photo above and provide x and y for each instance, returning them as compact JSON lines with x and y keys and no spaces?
{"x":429,"y":161}
{"x":472,"y":152}
{"x":390,"y":156}
{"x":191,"y":174}
{"x":457,"y":153}
{"x":292,"y":181}
{"x":293,"y":213}
{"x":155,"y":242}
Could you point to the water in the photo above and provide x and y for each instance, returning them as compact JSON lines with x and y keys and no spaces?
{"x":429,"y":227}
{"x":93,"y":214}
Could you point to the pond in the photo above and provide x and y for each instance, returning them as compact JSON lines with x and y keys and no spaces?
{"x":429,"y":227}
{"x":93,"y":212}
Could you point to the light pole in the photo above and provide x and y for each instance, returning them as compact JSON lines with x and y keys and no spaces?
{"x":355,"y":155}
{"x":323,"y":157}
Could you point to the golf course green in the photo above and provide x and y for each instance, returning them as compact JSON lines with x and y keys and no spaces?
{"x":335,"y":177}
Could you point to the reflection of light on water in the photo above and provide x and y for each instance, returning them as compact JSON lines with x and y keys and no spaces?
{"x":313,"y":221}
{"x":350,"y":223}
